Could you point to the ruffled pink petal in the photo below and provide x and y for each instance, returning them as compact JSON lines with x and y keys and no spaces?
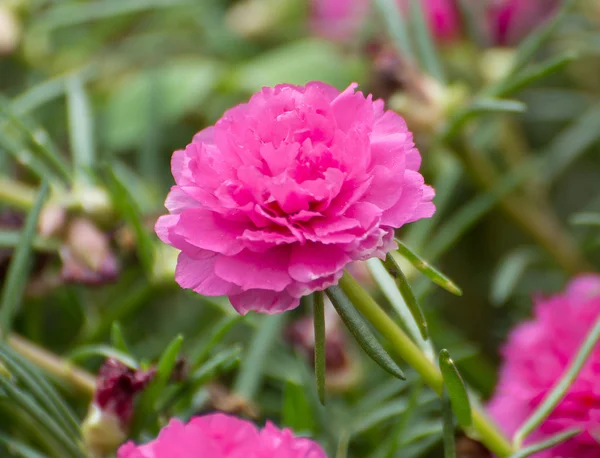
{"x":211,"y":231}
{"x":199,"y":275}
{"x":313,"y":261}
{"x":251,"y":270}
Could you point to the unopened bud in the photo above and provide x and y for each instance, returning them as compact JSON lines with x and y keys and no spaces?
{"x":10,"y":31}
{"x":86,"y":255}
{"x":102,"y":432}
{"x":52,"y":220}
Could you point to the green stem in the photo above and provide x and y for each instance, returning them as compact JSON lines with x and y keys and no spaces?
{"x":16,"y":194}
{"x":319,"y":330}
{"x":404,"y":347}
{"x":52,"y":364}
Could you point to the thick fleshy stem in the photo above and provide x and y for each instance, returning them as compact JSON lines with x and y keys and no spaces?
{"x":52,"y":364}
{"x":405,"y":348}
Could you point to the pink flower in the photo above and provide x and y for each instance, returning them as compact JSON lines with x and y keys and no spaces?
{"x":340,"y":19}
{"x":222,"y":436}
{"x":511,"y":20}
{"x":536,"y":356}
{"x":284,"y":191}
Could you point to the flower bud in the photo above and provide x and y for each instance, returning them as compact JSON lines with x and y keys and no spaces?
{"x":10,"y":31}
{"x":52,"y":220}
{"x":107,"y":422}
{"x":87,"y":256}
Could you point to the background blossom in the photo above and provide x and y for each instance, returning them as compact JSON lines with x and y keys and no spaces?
{"x":535,"y":357}
{"x":283,"y":192}
{"x":222,"y":436}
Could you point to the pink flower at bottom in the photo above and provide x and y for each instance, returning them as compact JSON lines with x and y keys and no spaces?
{"x":536,"y":356}
{"x":222,"y":436}
{"x":275,"y":200}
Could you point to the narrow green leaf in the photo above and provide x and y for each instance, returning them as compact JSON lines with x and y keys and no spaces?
{"x":586,"y":219}
{"x":222,"y":362}
{"x":117,"y":339}
{"x":570,"y":144}
{"x":481,"y":105}
{"x":46,"y":91}
{"x":361,"y":332}
{"x":218,"y":332}
{"x":39,"y":139}
{"x":535,"y":73}
{"x":545,"y":408}
{"x":126,"y":205}
{"x":396,"y":25}
{"x":18,"y":270}
{"x":548,"y":443}
{"x":391,"y":443}
{"x":106,"y":351}
{"x":529,"y":47}
{"x":448,"y":422}
{"x":296,"y":412}
{"x":24,"y":156}
{"x":147,"y":402}
{"x":387,"y":285}
{"x":424,"y":41}
{"x":319,"y":329}
{"x":68,"y":14}
{"x":27,"y":404}
{"x":252,"y":369}
{"x":10,"y":239}
{"x":456,"y":390}
{"x":81,"y":132}
{"x":428,"y":270}
{"x":407,"y":294}
{"x":19,"y":448}
{"x":509,"y":272}
{"x":41,"y":390}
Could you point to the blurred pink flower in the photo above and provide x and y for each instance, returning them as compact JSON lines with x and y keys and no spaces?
{"x":511,"y":20}
{"x":507,"y":21}
{"x":222,"y":436}
{"x":339,"y":19}
{"x":283,"y":192}
{"x":535,"y":357}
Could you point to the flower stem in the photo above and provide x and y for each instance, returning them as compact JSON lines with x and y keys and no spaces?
{"x":54,"y":365}
{"x":405,"y":348}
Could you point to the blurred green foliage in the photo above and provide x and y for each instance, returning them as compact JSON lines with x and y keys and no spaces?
{"x":97,"y":95}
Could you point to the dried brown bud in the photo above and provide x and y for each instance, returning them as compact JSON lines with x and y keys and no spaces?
{"x":117,"y":386}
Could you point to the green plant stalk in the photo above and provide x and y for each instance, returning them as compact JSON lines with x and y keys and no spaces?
{"x":16,"y":194}
{"x":52,"y":364}
{"x":404,"y":347}
{"x":558,"y":392}
{"x":319,"y":330}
